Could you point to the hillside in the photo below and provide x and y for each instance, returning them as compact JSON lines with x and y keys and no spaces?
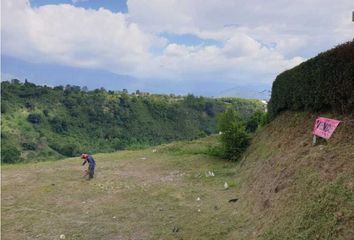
{"x":286,"y":189}
{"x":41,"y":122}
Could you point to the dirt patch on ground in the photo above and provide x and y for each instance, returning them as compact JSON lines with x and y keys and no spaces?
{"x":147,"y":173}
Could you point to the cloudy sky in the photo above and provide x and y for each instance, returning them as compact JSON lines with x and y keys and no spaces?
{"x":205,"y":47}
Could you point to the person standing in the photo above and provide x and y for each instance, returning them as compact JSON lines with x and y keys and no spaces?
{"x":91,"y":164}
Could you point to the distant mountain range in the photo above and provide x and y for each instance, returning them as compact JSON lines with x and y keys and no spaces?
{"x":54,"y":75}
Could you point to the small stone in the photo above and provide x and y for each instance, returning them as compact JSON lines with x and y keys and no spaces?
{"x":62,"y":236}
{"x":226,"y":186}
{"x":198,"y":198}
{"x":114,"y":216}
{"x":198,"y":210}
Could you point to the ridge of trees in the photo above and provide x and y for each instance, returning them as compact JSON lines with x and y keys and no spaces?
{"x":42,"y":122}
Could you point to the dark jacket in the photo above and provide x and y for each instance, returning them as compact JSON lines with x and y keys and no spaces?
{"x":90,"y":160}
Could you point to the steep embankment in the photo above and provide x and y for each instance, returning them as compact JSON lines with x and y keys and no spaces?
{"x":293,"y":190}
{"x":286,"y":189}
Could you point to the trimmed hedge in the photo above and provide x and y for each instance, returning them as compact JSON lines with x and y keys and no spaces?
{"x":323,"y":83}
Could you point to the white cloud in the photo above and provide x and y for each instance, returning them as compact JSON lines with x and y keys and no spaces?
{"x":257,"y":39}
{"x":292,"y":25}
{"x":74,"y":36}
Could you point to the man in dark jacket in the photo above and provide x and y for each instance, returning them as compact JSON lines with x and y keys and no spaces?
{"x":91,"y":164}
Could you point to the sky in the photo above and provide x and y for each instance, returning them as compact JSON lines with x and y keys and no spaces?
{"x":205,"y":47}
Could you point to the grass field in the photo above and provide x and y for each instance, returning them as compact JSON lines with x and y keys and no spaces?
{"x":287,"y":189}
{"x":147,"y":194}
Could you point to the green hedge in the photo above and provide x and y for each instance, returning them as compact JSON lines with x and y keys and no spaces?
{"x":323,"y":83}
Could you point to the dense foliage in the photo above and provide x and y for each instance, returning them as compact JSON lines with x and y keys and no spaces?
{"x":258,"y":119}
{"x":42,"y":122}
{"x":323,"y":83}
{"x":234,"y":137}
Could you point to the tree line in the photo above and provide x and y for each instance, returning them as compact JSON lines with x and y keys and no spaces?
{"x":42,"y":122}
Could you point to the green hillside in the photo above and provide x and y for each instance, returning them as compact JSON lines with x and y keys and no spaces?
{"x":40,"y":122}
{"x":286,"y":189}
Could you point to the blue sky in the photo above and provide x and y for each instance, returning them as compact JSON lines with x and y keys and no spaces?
{"x":112,"y":5}
{"x":205,"y":47}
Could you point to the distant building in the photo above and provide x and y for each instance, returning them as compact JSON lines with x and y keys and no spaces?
{"x":265,"y":105}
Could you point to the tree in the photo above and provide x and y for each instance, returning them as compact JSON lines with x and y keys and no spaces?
{"x":234,"y":137}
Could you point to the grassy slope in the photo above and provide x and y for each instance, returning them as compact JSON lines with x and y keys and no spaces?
{"x":287,"y":189}
{"x":294,"y":190}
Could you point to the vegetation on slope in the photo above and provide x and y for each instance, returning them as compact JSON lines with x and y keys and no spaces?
{"x":323,"y":83}
{"x":295,"y":190}
{"x":40,"y":122}
{"x":234,"y":138}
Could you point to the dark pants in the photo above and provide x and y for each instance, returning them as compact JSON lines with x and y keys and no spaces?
{"x":91,"y":171}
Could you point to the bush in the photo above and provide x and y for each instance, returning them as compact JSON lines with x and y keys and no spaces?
{"x":70,"y":150}
{"x":215,"y":151}
{"x":234,"y":137}
{"x":29,"y":146}
{"x":34,"y":118}
{"x":4,"y":107}
{"x":66,"y":149}
{"x":59,"y":125}
{"x":9,"y":154}
{"x":258,"y":119}
{"x":323,"y":83}
{"x":46,"y":112}
{"x":29,"y":105}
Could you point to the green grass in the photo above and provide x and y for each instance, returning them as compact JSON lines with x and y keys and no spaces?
{"x":287,"y":189}
{"x":135,"y":195}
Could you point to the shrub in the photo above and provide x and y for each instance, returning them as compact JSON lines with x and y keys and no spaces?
{"x":46,"y":112}
{"x":29,"y":146}
{"x":258,"y":119}
{"x":234,"y":137}
{"x":29,"y":105}
{"x":70,"y":150}
{"x":59,"y":125}
{"x":4,"y":107}
{"x":67,"y":149}
{"x":9,"y":154}
{"x":34,"y":118}
{"x":215,"y":151}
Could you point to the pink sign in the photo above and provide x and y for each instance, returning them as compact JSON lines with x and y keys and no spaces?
{"x":324,"y":127}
